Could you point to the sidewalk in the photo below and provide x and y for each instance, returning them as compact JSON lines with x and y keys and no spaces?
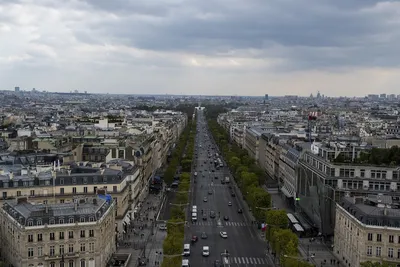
{"x":139,"y":233}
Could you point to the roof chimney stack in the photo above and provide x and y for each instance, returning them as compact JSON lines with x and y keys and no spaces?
{"x":76,"y":206}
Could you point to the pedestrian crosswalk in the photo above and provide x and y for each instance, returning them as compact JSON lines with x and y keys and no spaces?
{"x":248,"y":260}
{"x":214,"y":223}
{"x":242,"y":261}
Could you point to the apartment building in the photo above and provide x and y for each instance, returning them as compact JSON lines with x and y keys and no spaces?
{"x":76,"y":234}
{"x":288,"y":160}
{"x":252,"y":141}
{"x":367,"y":229}
{"x":322,"y":181}
{"x":62,"y":185}
{"x":269,"y":154}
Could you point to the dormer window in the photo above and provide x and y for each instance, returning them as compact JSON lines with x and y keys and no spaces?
{"x":71,"y":220}
{"x":39,"y":222}
{"x":91,"y":219}
{"x":52,"y":221}
{"x":82,"y":219}
{"x":85,"y":180}
{"x":74,"y":180}
{"x":30,"y":223}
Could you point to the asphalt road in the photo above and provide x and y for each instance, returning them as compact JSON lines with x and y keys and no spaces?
{"x":243,"y":243}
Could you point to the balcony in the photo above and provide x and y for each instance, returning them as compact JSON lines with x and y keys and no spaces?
{"x":72,"y":255}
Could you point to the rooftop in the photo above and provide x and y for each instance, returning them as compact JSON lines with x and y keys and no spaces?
{"x":82,"y":210}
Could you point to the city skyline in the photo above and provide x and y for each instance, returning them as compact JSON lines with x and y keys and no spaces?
{"x":340,"y":48}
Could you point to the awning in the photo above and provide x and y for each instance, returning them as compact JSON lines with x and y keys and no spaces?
{"x":285,"y":191}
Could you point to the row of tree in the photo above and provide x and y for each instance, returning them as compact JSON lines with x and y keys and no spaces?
{"x":178,"y":154}
{"x":249,"y":178}
{"x":173,"y":243}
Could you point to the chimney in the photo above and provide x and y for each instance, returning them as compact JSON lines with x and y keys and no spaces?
{"x":101,"y":171}
{"x":76,"y":206}
{"x":11,"y":176}
{"x":46,"y":209}
{"x":69,"y":172}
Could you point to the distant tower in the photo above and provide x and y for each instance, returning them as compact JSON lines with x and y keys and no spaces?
{"x":312,"y":116}
{"x":266,"y":97}
{"x":319,"y":95}
{"x":16,"y":89}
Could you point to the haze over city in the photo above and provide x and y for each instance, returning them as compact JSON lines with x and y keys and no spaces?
{"x":278,"y":47}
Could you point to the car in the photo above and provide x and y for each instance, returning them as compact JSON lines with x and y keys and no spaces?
{"x":222,"y":181}
{"x":229,"y":203}
{"x":194,"y":239}
{"x":233,"y":194}
{"x":204,"y":217}
{"x":206,"y":251}
{"x":210,"y":192}
{"x":226,"y":218}
{"x":219,"y":223}
{"x":203,"y":235}
{"x":162,"y":227}
{"x":212,"y":214}
{"x":205,"y":199}
{"x":240,"y":211}
{"x":215,"y":177}
{"x":212,"y":170}
{"x":223,"y":234}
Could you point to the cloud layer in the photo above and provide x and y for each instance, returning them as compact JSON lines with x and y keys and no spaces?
{"x":230,"y":47}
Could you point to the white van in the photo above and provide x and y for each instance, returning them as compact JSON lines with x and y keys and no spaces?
{"x":194,"y":208}
{"x":185,"y":263}
{"x":194,"y":216}
{"x":186,"y":249}
{"x":206,"y":251}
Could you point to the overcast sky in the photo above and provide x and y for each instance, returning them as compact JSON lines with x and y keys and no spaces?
{"x":219,"y":47}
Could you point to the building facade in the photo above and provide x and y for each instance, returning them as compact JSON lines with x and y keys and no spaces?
{"x":78,"y":234}
{"x":367,"y":229}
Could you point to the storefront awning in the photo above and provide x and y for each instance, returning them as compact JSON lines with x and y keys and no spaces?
{"x":285,"y":191}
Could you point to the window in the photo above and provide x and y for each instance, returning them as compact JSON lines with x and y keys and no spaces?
{"x":51,"y":251}
{"x":30,"y":238}
{"x":85,"y":189}
{"x":74,"y":180}
{"x":30,"y":252}
{"x":39,"y":222}
{"x":52,"y":236}
{"x":115,"y":189}
{"x":85,"y":180}
{"x":39,"y":237}
{"x":61,"y":221}
{"x":74,"y":190}
{"x":52,"y":221}
{"x":379,"y":237}
{"x":71,"y":263}
{"x":70,"y":234}
{"x":91,"y":233}
{"x":398,"y":253}
{"x":82,"y":233}
{"x":52,"y":264}
{"x":62,"y":201}
{"x":61,"y":235}
{"x":62,"y":250}
{"x":40,"y":251}
{"x":30,"y":223}
{"x":62,"y":191}
{"x":61,"y":181}
{"x":18,"y":193}
{"x":378,"y":251}
{"x":83,"y":263}
{"x":62,"y":264}
{"x":91,"y":219}
{"x":32,"y":193}
{"x":91,"y":247}
{"x":369,"y":250}
{"x":82,"y":219}
{"x":390,"y":252}
{"x":71,"y":220}
{"x":83,"y":247}
{"x":71,"y":248}
{"x":391,"y":238}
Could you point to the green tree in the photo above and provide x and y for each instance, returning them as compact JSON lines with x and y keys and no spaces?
{"x":177,"y":213}
{"x":186,"y":165}
{"x":173,"y":244}
{"x":281,"y":239}
{"x":258,"y":198}
{"x":234,"y":163}
{"x":171,"y":262}
{"x":275,"y":219}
